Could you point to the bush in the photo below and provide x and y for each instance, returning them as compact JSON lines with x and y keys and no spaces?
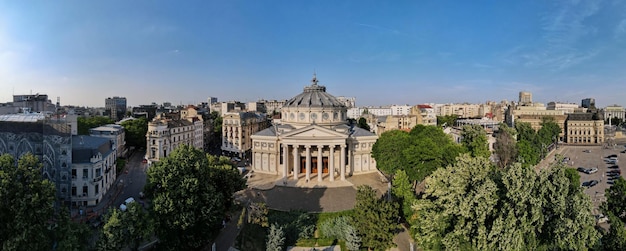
{"x":276,"y":238}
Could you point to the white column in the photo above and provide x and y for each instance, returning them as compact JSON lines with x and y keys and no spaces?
{"x":319,"y":163}
{"x":308,"y":163}
{"x":331,"y":163}
{"x":285,"y":160}
{"x":342,"y":162}
{"x":296,"y":162}
{"x":350,"y":160}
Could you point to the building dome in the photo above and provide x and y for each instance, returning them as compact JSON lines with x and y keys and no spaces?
{"x":314,"y":95}
{"x":314,"y":105}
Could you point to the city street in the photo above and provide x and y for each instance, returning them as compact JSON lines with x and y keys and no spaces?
{"x":132,"y":180}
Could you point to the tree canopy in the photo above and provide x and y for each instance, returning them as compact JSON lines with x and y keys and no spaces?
{"x":362,"y":123}
{"x":84,"y":124}
{"x":418,"y":153}
{"x":474,"y":206}
{"x":448,"y":120}
{"x":374,"y":219}
{"x":136,"y":130}
{"x":616,"y":199}
{"x":191,"y":193}
{"x":475,"y":140}
{"x":505,"y":147}
{"x":122,"y":228}
{"x":26,"y":204}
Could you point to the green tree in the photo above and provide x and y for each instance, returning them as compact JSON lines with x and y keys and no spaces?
{"x":70,"y":235}
{"x":217,"y":122}
{"x":616,"y":199}
{"x":26,"y":204}
{"x":505,"y":147}
{"x":363,"y":124}
{"x":527,"y":153}
{"x":374,"y":219}
{"x":388,"y":151}
{"x":448,"y":120}
{"x":188,"y":205}
{"x":403,"y":190}
{"x":275,"y":238}
{"x":475,"y":206}
{"x":549,"y":131}
{"x":475,"y":140}
{"x":430,"y":149}
{"x":129,"y":228}
{"x":615,"y":239}
{"x":136,"y":130}
{"x":84,"y":124}
{"x":525,"y":132}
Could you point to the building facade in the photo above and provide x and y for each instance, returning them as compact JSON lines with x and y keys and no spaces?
{"x":48,"y":138}
{"x":313,"y":141}
{"x":169,"y":130}
{"x":584,"y":129}
{"x":614,"y":111}
{"x":428,"y":114}
{"x":115,"y":133}
{"x":93,"y":169}
{"x":588,"y":103}
{"x":115,"y":107}
{"x":237,"y":129}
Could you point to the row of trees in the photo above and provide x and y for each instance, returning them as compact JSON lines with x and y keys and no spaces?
{"x":29,"y":219}
{"x":472,"y":205}
{"x":530,"y":146}
{"x":418,"y":152}
{"x":135,"y":129}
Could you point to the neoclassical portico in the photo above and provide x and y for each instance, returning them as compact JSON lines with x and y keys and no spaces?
{"x":313,"y":141}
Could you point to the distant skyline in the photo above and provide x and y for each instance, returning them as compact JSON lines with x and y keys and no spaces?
{"x":381,"y":52}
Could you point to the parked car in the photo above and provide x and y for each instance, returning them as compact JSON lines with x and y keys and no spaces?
{"x":124,"y":205}
{"x":614,"y":167}
{"x":592,"y":170}
{"x":614,"y":177}
{"x":611,"y":156}
{"x":587,"y":151}
{"x":612,"y":174}
{"x":590,"y":183}
{"x":615,"y":171}
{"x":582,"y":169}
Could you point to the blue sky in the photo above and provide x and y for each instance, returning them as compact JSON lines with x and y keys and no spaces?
{"x":381,"y":52}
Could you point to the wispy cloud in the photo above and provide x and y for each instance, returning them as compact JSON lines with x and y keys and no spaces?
{"x":564,"y":31}
{"x":620,"y":30}
{"x":380,"y":28}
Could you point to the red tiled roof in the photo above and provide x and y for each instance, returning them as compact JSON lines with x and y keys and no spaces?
{"x":424,"y":106}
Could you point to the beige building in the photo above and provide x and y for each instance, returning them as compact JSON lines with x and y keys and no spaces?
{"x":585,"y":129}
{"x":614,"y":111}
{"x":237,"y":129}
{"x":427,"y":114}
{"x":397,"y":122}
{"x":461,"y":110}
{"x":313,"y":140}
{"x":169,"y":130}
{"x":565,"y":107}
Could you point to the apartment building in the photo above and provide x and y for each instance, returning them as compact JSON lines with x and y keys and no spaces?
{"x":237,"y":129}
{"x":93,"y":169}
{"x":115,"y":133}
{"x":169,"y":130}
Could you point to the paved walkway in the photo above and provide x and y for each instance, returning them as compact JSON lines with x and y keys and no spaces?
{"x":311,"y":196}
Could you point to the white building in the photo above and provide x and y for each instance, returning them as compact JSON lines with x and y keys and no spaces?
{"x":115,"y":133}
{"x":614,"y":111}
{"x":93,"y":169}
{"x":400,"y":109}
{"x":349,"y":102}
{"x":313,"y":141}
{"x":565,"y":107}
{"x":237,"y":128}
{"x":169,"y":130}
{"x":428,"y":113}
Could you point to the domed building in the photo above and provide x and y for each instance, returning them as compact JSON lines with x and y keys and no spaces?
{"x":313,"y":140}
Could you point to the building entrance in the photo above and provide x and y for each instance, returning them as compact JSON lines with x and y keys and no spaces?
{"x":314,"y":165}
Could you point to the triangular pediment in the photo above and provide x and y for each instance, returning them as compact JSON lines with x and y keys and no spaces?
{"x":314,"y":131}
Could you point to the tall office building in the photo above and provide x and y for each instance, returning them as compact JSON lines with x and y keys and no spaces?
{"x":525,"y":98}
{"x":588,"y":103}
{"x":115,"y":107}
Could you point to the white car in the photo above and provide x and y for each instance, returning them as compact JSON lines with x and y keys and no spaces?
{"x":592,"y":170}
{"x":124,"y":205}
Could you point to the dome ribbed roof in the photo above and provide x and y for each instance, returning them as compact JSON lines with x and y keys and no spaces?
{"x":314,"y":95}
